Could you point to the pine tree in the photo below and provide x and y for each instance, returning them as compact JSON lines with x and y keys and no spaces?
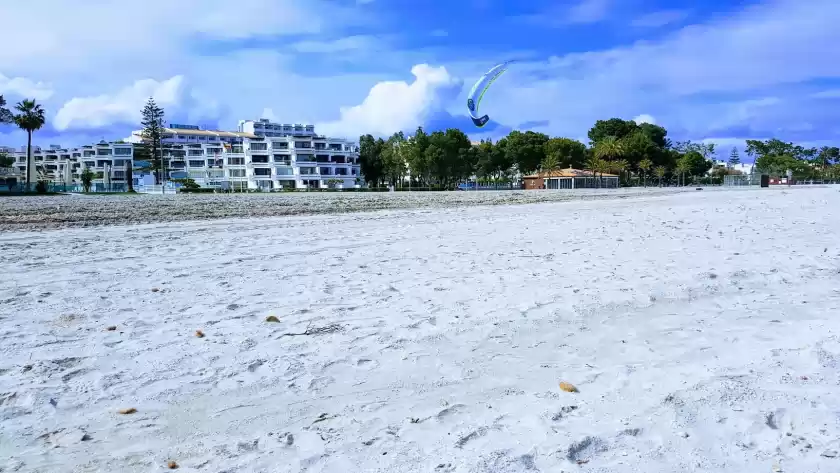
{"x":734,"y":158}
{"x":152,"y":130}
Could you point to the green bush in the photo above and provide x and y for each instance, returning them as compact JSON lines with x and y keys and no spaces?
{"x":41,"y":187}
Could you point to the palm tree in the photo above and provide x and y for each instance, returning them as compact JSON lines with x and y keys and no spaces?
{"x":618,"y":166}
{"x":645,"y":165}
{"x":593,"y":165}
{"x":550,"y":165}
{"x":30,"y":117}
{"x":682,"y":168}
{"x":608,"y":149}
{"x":660,"y":173}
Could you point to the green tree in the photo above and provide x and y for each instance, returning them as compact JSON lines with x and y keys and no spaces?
{"x":683,"y":167}
{"x":615,"y":127}
{"x":152,"y":123}
{"x":393,"y":159}
{"x":6,"y":116}
{"x":645,"y":166}
{"x":526,"y":150}
{"x":29,"y":117}
{"x":734,"y":157}
{"x":6,"y":161}
{"x":370,"y":160}
{"x":609,"y":148}
{"x":87,"y":178}
{"x":657,"y":134}
{"x":550,"y":166}
{"x":436,"y":157}
{"x":827,"y":156}
{"x":568,"y":153}
{"x":415,"y":156}
{"x":638,"y":147}
{"x":660,"y":172}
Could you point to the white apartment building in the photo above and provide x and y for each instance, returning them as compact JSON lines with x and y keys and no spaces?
{"x":259,"y":155}
{"x":108,"y":161}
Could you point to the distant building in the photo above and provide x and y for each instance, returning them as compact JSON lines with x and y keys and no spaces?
{"x":259,"y":155}
{"x":108,"y":161}
{"x":571,"y":179}
{"x":744,"y":168}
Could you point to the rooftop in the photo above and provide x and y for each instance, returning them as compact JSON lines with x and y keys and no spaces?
{"x":570,"y":172}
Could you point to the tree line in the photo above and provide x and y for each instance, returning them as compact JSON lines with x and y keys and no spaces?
{"x":637,"y":153}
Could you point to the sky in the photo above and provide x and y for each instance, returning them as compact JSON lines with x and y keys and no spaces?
{"x":718,"y":71}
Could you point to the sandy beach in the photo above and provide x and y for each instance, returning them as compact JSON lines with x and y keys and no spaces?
{"x":64,"y":211}
{"x":701,"y":330}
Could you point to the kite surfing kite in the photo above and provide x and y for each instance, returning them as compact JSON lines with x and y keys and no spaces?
{"x":478,"y":90}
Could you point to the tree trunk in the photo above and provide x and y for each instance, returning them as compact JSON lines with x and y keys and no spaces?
{"x":29,"y":163}
{"x":129,"y":175}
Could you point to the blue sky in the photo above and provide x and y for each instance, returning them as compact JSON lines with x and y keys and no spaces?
{"x":721,"y":71}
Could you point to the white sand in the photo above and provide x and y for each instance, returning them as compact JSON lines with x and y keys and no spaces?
{"x":701,"y":329}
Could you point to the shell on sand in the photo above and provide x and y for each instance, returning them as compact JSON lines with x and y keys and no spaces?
{"x":568,"y":387}
{"x":272,"y":318}
{"x":199,"y":334}
{"x":130,"y":410}
{"x":172,"y":465}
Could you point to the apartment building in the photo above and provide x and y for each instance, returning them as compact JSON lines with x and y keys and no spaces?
{"x":259,"y":155}
{"x":108,"y":161}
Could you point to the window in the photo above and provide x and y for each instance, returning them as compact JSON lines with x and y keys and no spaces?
{"x":89,"y":154}
{"x":259,"y":146}
{"x":236,"y":172}
{"x":303,"y":144}
{"x":196,"y":152}
{"x":122,"y":151}
{"x":236,"y":161}
{"x":305,"y":158}
{"x":308,"y":171}
{"x":279,"y":145}
{"x":284,"y":171}
{"x":259,"y":159}
{"x":119,"y":163}
{"x":196,"y":163}
{"x":263,"y":172}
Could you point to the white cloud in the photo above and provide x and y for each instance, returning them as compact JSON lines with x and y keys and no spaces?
{"x":269,"y":115}
{"x":125,"y":105}
{"x":392,"y":106}
{"x":589,"y":11}
{"x":349,"y":43}
{"x":25,"y":88}
{"x":827,"y":94}
{"x":660,"y":18}
{"x":645,"y":118}
{"x":769,"y":46}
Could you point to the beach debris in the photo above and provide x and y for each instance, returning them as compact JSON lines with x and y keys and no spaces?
{"x":684,"y":435}
{"x":829,"y":454}
{"x":272,"y":318}
{"x":199,"y":334}
{"x":154,"y":289}
{"x":332,"y":328}
{"x":582,"y":462}
{"x":777,"y":468}
{"x":111,"y":328}
{"x":172,"y":465}
{"x":130,"y":410}
{"x":568,"y":387}
{"x":53,"y":402}
{"x":86,"y":438}
{"x":324,"y":416}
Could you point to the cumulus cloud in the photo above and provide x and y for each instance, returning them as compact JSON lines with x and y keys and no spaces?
{"x":25,"y":88}
{"x":125,"y":105}
{"x":393,"y":106}
{"x":691,"y":80}
{"x":644,"y":118}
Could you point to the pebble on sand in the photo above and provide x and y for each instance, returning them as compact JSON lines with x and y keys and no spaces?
{"x":172,"y":465}
{"x":568,"y":387}
{"x":199,"y":334}
{"x":154,"y":289}
{"x":272,"y":318}
{"x":130,"y":410}
{"x":111,"y":328}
